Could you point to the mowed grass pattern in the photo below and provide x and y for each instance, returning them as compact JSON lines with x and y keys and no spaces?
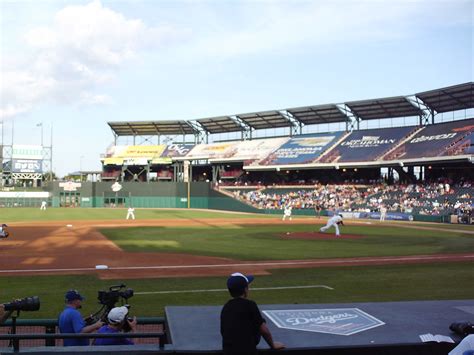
{"x":8,"y":215}
{"x":256,"y":242}
{"x":350,"y":284}
{"x":270,"y":242}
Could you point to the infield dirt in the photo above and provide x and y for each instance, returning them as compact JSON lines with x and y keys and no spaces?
{"x":55,"y":248}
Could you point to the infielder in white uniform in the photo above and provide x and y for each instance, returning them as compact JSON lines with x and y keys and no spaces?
{"x":131,"y":213}
{"x":383,"y":213}
{"x":333,"y":221}
{"x":43,"y":205}
{"x":287,"y":212}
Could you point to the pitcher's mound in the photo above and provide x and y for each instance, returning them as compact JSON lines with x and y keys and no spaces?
{"x":318,"y":235}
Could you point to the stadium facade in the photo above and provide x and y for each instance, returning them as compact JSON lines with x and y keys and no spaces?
{"x":178,"y":164}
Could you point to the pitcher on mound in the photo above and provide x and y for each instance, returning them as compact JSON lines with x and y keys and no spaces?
{"x":335,"y":221}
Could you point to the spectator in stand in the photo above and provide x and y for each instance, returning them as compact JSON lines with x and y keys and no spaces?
{"x":117,"y":322}
{"x":242,"y":325}
{"x":465,"y":347}
{"x":71,"y":321}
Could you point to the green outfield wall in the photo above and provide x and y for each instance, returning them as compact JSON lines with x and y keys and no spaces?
{"x":144,"y":195}
{"x":159,"y":194}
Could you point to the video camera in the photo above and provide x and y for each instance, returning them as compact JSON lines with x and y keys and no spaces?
{"x":463,"y":329}
{"x":108,"y":299}
{"x":24,"y":304}
{"x":114,"y":294}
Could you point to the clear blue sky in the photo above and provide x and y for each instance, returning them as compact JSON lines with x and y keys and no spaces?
{"x":79,"y":64}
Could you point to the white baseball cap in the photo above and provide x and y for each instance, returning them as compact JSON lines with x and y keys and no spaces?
{"x":117,"y":314}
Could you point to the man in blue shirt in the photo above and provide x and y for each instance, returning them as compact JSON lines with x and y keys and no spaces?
{"x":117,"y":318}
{"x":71,"y":321}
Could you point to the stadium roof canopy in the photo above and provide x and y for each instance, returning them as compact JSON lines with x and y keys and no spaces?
{"x":318,"y":114}
{"x":149,"y":128}
{"x":389,"y":107}
{"x":452,"y":98}
{"x":265,"y":119}
{"x":222,"y":124}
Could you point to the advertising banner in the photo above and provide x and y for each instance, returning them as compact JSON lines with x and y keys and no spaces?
{"x":302,"y":150}
{"x":366,"y":145}
{"x":26,"y":166}
{"x":139,"y":151}
{"x":338,"y":321}
{"x":172,"y":151}
{"x":33,"y":152}
{"x":390,"y":216}
{"x":251,"y":150}
{"x":210,"y":151}
{"x":135,"y":161}
{"x":113,"y":161}
{"x":443,"y":139}
{"x":177,"y":150}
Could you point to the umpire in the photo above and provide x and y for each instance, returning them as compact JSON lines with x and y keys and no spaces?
{"x":242,"y":325}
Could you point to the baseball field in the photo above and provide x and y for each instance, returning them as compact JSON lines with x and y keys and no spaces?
{"x":182,"y":257}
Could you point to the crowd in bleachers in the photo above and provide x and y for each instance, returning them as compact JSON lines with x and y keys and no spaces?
{"x":434,"y":198}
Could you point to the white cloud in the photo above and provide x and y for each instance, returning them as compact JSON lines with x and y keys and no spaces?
{"x":74,"y":58}
{"x":71,"y":59}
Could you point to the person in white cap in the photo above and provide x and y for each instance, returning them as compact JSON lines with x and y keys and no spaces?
{"x":242,"y":325}
{"x":117,"y":319}
{"x":335,"y":221}
{"x":43,"y":205}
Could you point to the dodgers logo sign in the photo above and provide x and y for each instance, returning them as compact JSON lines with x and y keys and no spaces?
{"x":339,"y":321}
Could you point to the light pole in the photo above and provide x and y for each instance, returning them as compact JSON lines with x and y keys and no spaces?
{"x":41,"y":125}
{"x":80,"y":166}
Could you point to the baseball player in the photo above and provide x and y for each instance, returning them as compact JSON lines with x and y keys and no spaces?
{"x":317,"y":209}
{"x":287,"y":212}
{"x":43,"y":205}
{"x":3,"y":231}
{"x":383,"y":213}
{"x":335,"y":221}
{"x":131,"y":213}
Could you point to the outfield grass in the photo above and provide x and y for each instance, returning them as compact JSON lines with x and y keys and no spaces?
{"x":269,"y":242}
{"x":350,"y":284}
{"x":64,"y":214}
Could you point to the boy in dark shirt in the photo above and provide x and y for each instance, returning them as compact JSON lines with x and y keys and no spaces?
{"x":242,"y":324}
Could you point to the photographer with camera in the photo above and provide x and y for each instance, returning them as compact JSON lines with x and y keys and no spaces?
{"x":22,"y":304}
{"x":4,"y":315}
{"x":71,"y":321}
{"x":466,"y":346}
{"x":117,"y":322}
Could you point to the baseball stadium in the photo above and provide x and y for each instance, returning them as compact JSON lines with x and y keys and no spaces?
{"x":180,"y":205}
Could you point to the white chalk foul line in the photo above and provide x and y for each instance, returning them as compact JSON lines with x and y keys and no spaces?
{"x":365,"y":261}
{"x":226,"y":290}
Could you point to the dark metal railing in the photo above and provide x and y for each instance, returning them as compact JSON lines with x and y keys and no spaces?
{"x":50,"y":336}
{"x":15,"y":338}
